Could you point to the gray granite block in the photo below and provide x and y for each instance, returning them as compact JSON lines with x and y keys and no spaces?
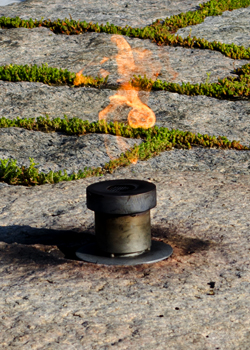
{"x":49,"y":302}
{"x":199,"y":297}
{"x":197,"y":114}
{"x":96,"y":54}
{"x":122,"y":12}
{"x":55,"y":151}
{"x":230,"y":27}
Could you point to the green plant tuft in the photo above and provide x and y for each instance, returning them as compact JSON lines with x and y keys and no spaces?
{"x":227,"y":88}
{"x":160,"y":32}
{"x":155,"y":141}
{"x":46,"y":75}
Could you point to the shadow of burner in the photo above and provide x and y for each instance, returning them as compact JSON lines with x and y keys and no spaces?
{"x":187,"y":245}
{"x":54,"y":247}
{"x":42,"y":245}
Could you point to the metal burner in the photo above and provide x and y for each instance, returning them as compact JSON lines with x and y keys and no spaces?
{"x":159,"y":251}
{"x":122,"y":224}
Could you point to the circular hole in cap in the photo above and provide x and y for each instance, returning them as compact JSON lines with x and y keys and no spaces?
{"x":121,"y":188}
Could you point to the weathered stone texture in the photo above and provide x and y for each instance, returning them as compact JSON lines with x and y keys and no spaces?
{"x":58,"y":152}
{"x":230,"y":27}
{"x":50,"y":301}
{"x":86,"y":51}
{"x":133,"y":13}
{"x":197,"y":114}
{"x":55,"y":151}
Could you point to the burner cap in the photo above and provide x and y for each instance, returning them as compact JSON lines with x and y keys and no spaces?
{"x":121,"y":196}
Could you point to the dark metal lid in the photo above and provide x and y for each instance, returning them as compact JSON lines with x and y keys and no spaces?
{"x":121,"y":196}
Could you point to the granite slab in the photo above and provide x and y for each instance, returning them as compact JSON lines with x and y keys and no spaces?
{"x":136,"y":14}
{"x":49,"y":301}
{"x":199,"y":297}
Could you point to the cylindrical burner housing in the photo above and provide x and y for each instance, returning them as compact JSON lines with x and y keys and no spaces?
{"x":122,"y":224}
{"x":122,"y":215}
{"x":123,"y":235}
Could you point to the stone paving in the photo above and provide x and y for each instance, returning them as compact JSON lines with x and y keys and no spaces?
{"x":50,"y":300}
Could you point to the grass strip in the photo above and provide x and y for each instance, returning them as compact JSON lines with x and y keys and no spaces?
{"x":161,"y":33}
{"x":227,"y":88}
{"x":229,"y":50}
{"x":47,"y":75}
{"x":243,"y":71}
{"x":156,"y":140}
{"x":210,"y":8}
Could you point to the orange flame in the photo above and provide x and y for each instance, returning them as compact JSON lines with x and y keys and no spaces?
{"x":80,"y":79}
{"x":140,"y":115}
{"x":130,"y":62}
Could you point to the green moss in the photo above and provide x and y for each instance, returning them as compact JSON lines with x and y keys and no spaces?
{"x":46,"y":75}
{"x":161,"y":33}
{"x":227,"y":88}
{"x":156,"y":140}
{"x":210,"y":8}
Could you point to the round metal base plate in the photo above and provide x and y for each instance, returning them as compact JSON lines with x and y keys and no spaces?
{"x":159,"y":251}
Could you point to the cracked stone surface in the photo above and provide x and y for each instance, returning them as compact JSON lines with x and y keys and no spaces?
{"x":199,"y":297}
